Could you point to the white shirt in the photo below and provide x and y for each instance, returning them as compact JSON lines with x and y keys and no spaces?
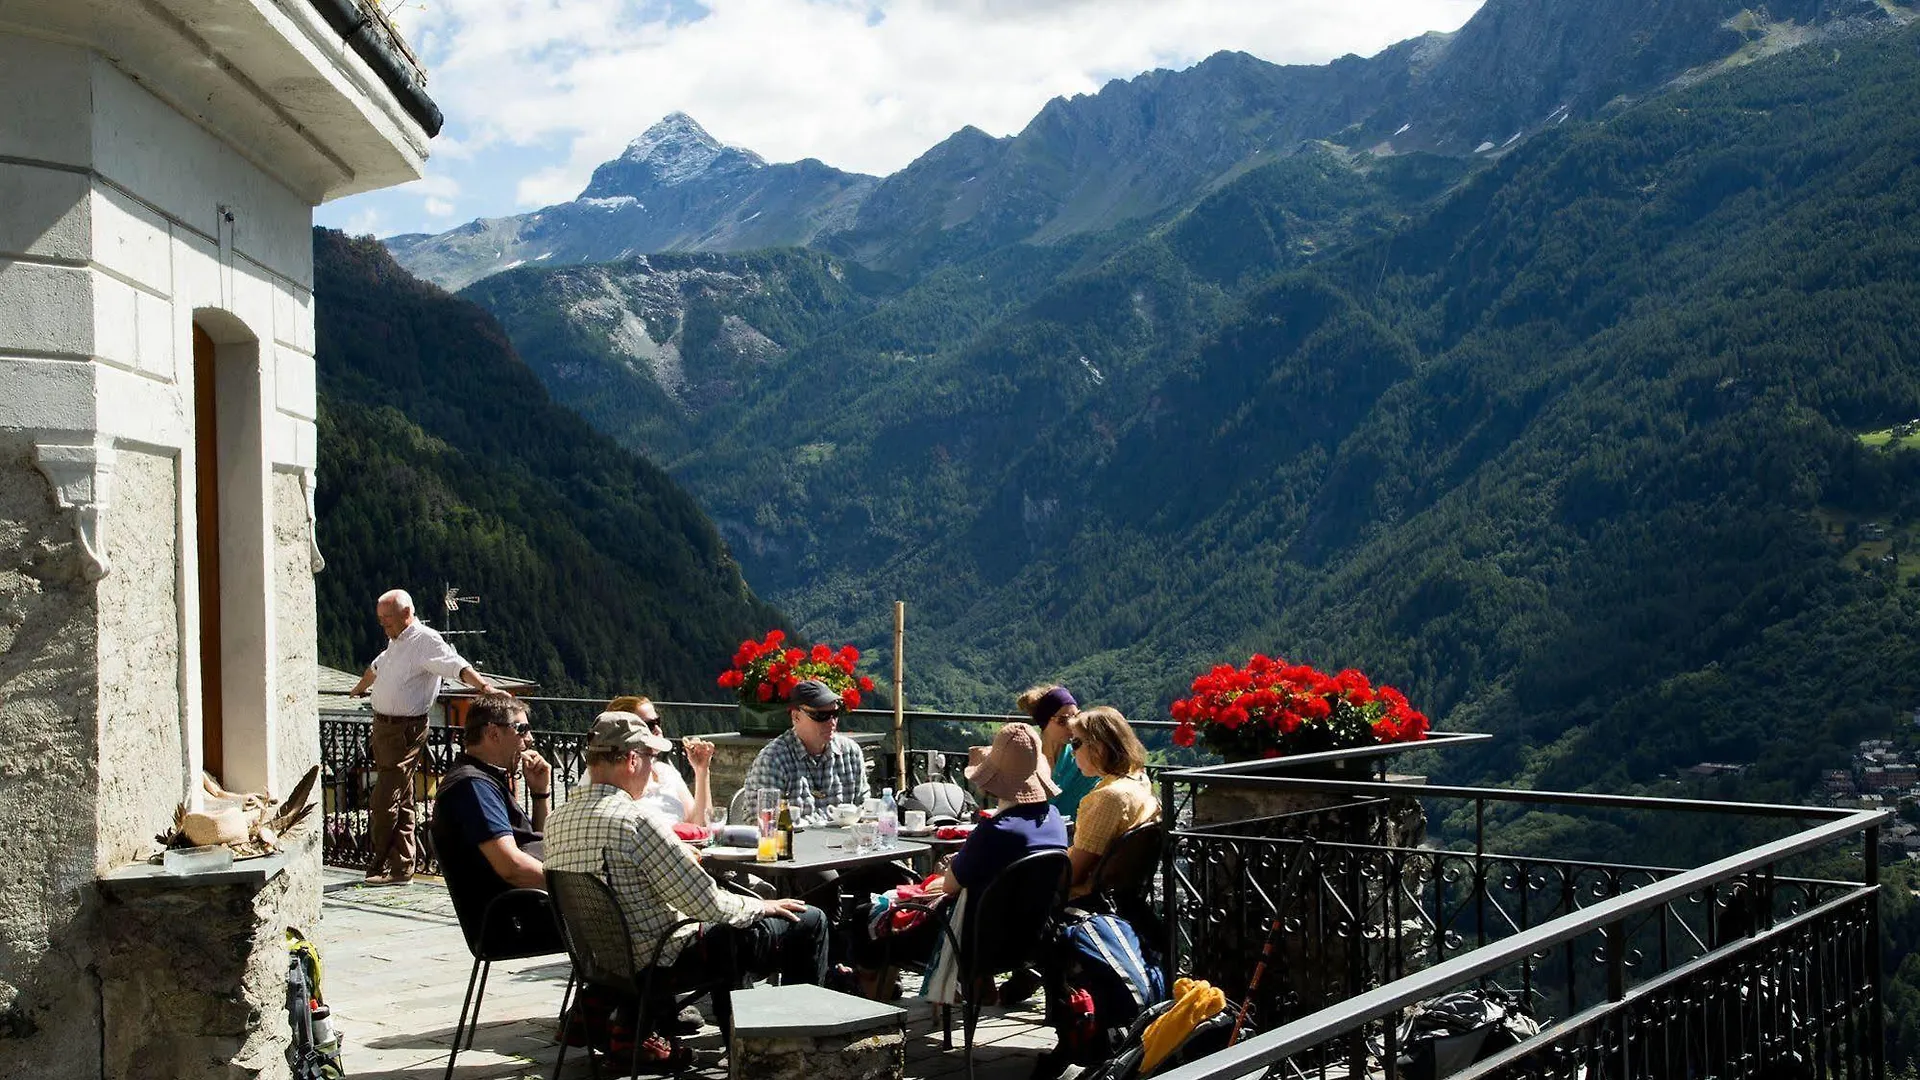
{"x":407,"y":673}
{"x":667,"y":795}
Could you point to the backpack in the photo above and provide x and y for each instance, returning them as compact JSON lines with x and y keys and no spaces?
{"x":1109,"y":978}
{"x":313,"y":1055}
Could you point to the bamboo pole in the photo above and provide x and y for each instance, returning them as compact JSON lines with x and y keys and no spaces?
{"x":900,"y":694}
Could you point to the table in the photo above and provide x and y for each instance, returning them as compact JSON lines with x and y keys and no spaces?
{"x":816,"y":851}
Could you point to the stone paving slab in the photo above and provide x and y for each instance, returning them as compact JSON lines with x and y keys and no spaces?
{"x":395,"y":967}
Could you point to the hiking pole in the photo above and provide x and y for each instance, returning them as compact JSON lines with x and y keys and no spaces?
{"x":1273,"y":933}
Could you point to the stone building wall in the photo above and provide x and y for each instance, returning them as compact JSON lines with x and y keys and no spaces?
{"x":49,"y":1004}
{"x":143,"y":755}
{"x":297,"y":741}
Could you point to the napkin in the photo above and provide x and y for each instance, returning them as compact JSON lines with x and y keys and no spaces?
{"x":952,"y":832}
{"x":690,"y":832}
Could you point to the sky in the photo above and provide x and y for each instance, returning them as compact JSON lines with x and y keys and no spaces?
{"x":538,"y":92}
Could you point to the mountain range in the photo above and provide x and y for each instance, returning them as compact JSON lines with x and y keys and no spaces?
{"x":1140,"y":148}
{"x":1477,"y":426}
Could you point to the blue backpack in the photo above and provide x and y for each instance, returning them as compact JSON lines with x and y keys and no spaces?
{"x":1110,"y":978}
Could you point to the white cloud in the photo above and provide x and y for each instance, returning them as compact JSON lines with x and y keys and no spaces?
{"x":365,"y":222}
{"x":561,"y":85}
{"x":439,"y":208}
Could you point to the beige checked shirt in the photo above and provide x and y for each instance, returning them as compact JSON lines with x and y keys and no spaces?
{"x":656,"y":877}
{"x":1115,"y":804}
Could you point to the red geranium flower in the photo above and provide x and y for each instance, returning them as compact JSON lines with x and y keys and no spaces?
{"x":1272,"y":707}
{"x":764,"y":671}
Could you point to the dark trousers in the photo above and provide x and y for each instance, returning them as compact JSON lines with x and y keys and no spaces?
{"x":796,"y":950}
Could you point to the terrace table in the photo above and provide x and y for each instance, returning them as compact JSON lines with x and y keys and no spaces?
{"x":815,"y":851}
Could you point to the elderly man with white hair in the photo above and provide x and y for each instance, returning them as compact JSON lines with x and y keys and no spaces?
{"x":405,"y":678}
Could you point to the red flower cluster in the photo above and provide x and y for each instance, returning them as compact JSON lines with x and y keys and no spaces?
{"x":1271,"y":707}
{"x":766,"y":671}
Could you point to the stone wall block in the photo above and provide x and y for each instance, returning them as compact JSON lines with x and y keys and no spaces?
{"x":293,"y":383}
{"x":143,"y":764}
{"x":131,"y":240}
{"x":157,"y":330}
{"x":116,"y":322}
{"x":194,"y":982}
{"x":46,"y":309}
{"x":872,"y":1057}
{"x":47,"y":213}
{"x":45,"y":88}
{"x":49,"y":1001}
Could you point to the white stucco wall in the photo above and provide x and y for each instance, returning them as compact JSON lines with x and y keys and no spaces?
{"x":122,"y":222}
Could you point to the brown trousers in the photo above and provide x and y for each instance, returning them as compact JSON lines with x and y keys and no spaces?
{"x":397,"y":745}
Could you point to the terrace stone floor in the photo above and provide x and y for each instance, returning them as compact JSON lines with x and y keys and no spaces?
{"x":395,"y":967}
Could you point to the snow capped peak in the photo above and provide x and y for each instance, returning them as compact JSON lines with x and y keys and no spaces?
{"x":677,"y":148}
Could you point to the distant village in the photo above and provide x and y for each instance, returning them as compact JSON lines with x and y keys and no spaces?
{"x":1880,"y":774}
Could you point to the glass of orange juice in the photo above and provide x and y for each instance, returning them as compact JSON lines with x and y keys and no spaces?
{"x":769,"y":849}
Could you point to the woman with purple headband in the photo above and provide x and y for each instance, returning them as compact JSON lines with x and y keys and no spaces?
{"x":1049,"y":707}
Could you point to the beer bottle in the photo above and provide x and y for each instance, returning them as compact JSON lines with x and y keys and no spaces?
{"x":786,"y":830}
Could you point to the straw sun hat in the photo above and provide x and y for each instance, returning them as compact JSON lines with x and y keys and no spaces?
{"x":1013,"y":769}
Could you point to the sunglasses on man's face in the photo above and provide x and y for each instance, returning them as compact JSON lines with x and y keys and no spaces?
{"x":520,"y":728}
{"x":823,"y":716}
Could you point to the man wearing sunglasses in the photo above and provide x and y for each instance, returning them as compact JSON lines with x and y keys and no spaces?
{"x":486,"y":843}
{"x":813,"y":750}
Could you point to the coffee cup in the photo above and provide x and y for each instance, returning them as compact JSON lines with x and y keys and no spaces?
{"x":846,"y":814}
{"x":915,"y":820}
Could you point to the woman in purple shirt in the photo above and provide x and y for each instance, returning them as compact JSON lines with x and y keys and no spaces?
{"x":1015,"y":773}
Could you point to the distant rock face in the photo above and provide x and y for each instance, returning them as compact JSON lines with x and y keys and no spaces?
{"x":1142,"y":147}
{"x":675,"y":188}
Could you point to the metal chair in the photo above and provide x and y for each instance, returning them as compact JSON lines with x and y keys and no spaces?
{"x":1122,"y":882}
{"x":514,"y":915}
{"x":1004,"y":928}
{"x":601,"y":948}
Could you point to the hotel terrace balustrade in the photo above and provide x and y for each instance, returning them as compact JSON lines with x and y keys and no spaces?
{"x":1758,"y":957}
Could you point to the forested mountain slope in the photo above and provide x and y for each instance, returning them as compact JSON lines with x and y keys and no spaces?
{"x":1565,"y":454}
{"x":443,"y":460}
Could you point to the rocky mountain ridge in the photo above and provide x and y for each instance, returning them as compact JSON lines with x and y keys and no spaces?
{"x":1145,"y":147}
{"x":675,"y":188}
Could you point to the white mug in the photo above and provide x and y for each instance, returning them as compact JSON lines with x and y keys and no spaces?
{"x":915,"y":820}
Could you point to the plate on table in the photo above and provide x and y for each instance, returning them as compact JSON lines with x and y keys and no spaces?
{"x":922,"y":831}
{"x":731,"y":852}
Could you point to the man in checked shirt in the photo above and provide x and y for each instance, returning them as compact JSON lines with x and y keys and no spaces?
{"x":657,"y":877}
{"x":813,"y":750}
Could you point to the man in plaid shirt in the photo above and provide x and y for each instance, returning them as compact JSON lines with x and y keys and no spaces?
{"x":657,"y":878}
{"x":812,"y":750}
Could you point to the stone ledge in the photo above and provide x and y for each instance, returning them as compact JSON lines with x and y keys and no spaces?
{"x":804,"y":1012}
{"x":151,"y":877}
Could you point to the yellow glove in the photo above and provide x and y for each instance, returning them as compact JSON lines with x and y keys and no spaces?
{"x":1195,"y":1002}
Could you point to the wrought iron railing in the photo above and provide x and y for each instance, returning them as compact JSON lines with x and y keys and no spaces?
{"x":1760,"y":962}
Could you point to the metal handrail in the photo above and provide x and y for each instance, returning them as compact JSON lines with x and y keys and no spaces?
{"x":1317,"y":1028}
{"x":912,"y":715}
{"x":1214,"y":776}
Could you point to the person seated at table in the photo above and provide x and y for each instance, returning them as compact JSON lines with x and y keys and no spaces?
{"x":667,"y":792}
{"x":1050,"y":707}
{"x":1105,"y":746}
{"x":657,"y":879}
{"x":486,"y":843}
{"x":1015,"y":773}
{"x":813,"y":750}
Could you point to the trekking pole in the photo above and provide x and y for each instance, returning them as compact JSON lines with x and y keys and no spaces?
{"x":1273,"y":933}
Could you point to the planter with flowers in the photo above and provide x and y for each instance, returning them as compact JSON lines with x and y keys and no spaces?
{"x":1271,"y":708}
{"x":765,"y":672}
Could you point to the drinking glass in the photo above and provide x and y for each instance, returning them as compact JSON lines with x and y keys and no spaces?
{"x":769,"y":849}
{"x":716,"y":824}
{"x":866,"y":837}
{"x":768,"y":803}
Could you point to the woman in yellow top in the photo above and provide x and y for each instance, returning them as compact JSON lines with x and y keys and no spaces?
{"x":1105,"y":746}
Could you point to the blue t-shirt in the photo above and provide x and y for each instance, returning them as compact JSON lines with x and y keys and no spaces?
{"x":478,"y":810}
{"x":1073,"y":783}
{"x":1013,"y":832}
